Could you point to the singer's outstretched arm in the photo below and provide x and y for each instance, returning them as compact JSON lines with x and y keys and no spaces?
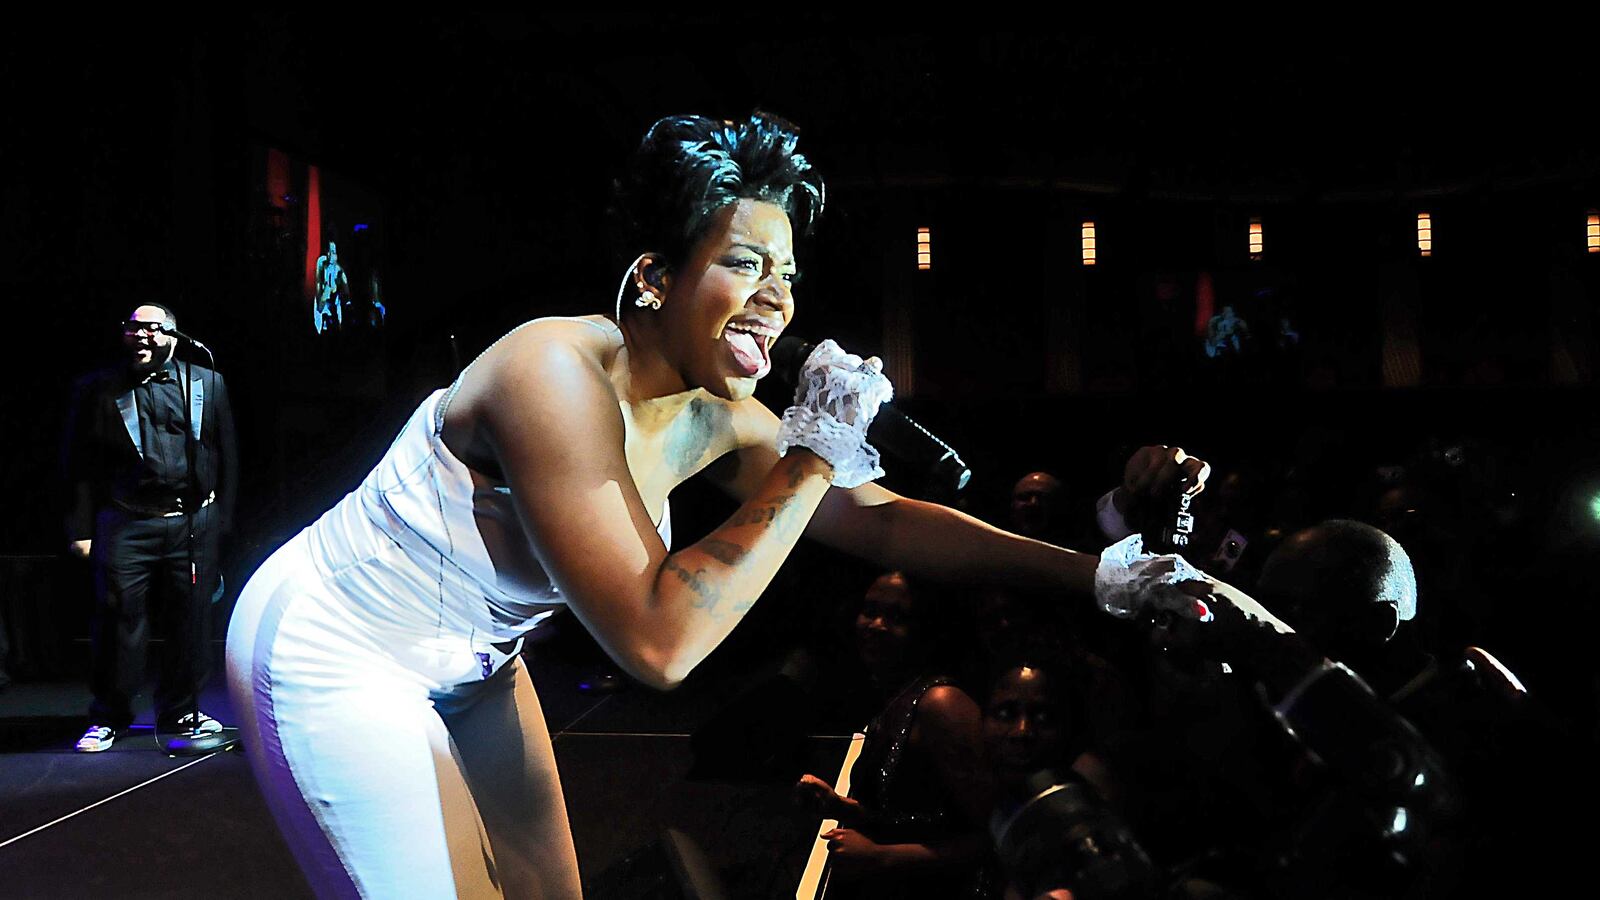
{"x":899,"y":533}
{"x":938,"y":542}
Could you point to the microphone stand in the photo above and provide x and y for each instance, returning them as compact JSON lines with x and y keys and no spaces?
{"x":192,"y":741}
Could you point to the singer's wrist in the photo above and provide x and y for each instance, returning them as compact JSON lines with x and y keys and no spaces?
{"x":808,"y":462}
{"x":1073,"y":572}
{"x":853,"y":461}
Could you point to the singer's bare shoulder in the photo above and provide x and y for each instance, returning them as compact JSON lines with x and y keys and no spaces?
{"x":538,"y":370}
{"x":549,"y":347}
{"x":591,"y":336}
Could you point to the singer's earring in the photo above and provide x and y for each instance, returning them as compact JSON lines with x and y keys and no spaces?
{"x":647,"y":297}
{"x":622,"y":286}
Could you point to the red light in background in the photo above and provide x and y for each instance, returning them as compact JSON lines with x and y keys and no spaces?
{"x":313,"y":227}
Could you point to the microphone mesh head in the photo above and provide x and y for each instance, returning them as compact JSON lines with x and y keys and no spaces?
{"x":788,"y":355}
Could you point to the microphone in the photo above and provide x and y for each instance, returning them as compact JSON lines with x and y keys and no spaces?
{"x":169,"y":328}
{"x":892,"y":430}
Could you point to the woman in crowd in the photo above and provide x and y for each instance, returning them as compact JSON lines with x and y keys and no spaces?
{"x":1035,"y":739}
{"x":913,"y":825}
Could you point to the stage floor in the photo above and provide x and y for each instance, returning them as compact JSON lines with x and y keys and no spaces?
{"x":132,"y":822}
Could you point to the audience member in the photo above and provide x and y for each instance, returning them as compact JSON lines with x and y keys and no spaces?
{"x":913,"y":825}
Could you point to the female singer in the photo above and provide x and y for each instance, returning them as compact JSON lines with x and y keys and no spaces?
{"x":393,"y":729}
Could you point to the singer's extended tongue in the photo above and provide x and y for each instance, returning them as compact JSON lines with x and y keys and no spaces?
{"x":747,"y":350}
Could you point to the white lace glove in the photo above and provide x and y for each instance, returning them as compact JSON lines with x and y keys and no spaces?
{"x":835,"y":401}
{"x":1129,"y":581}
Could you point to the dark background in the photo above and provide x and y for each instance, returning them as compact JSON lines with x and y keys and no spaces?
{"x":483,"y":146}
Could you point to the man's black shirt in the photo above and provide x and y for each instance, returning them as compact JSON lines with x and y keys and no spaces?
{"x":164,"y":472}
{"x":141,"y":461}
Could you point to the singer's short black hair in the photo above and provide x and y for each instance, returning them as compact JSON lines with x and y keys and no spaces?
{"x":688,"y":167}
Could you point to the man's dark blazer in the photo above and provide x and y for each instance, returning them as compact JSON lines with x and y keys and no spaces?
{"x":102,"y":443}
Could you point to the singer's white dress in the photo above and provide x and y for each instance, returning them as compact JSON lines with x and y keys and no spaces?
{"x":373,"y":661}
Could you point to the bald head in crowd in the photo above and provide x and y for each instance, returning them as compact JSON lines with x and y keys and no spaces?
{"x":1345,"y":585}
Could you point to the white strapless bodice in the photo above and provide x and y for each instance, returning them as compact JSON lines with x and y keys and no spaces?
{"x":426,"y":541}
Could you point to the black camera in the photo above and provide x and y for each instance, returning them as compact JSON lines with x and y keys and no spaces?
{"x":1063,"y":836}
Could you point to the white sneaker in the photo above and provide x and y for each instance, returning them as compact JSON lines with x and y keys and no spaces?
{"x":185,"y":722}
{"x":96,"y":739}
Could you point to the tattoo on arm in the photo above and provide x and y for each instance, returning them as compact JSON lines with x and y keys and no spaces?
{"x":706,"y":594}
{"x":783,"y":516}
{"x":726,"y":552}
{"x":782,"y":513}
{"x":766,"y":512}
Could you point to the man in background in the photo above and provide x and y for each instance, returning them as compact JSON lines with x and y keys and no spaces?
{"x":151,"y":468}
